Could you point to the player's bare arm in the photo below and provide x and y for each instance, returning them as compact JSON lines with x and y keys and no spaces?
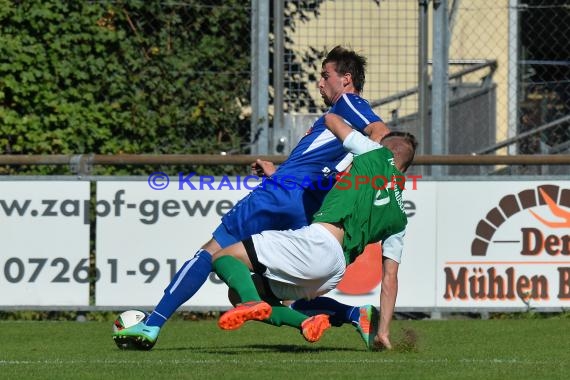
{"x":376,"y":131}
{"x":337,"y":126}
{"x":387,"y":302}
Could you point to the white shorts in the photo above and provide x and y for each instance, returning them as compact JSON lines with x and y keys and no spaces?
{"x":303,"y":263}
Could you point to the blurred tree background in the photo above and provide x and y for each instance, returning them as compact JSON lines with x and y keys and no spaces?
{"x":137,"y":77}
{"x":123,"y":77}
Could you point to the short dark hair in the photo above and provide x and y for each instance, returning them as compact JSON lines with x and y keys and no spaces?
{"x":348,"y":62}
{"x":411,"y":139}
{"x":404,"y":155}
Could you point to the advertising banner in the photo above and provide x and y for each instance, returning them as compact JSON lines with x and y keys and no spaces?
{"x":145,"y":233}
{"x":503,"y":244}
{"x":469,"y":245}
{"x":418,"y":267}
{"x":44,"y":239}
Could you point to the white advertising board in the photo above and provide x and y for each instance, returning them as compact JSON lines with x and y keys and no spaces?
{"x":470,"y":245}
{"x":417,"y":269}
{"x":44,"y":239}
{"x":145,"y":235}
{"x":503,"y":244}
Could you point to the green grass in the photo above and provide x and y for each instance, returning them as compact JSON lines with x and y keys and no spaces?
{"x":453,"y":349}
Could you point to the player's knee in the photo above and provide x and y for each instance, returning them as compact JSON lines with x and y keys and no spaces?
{"x":212,"y":246}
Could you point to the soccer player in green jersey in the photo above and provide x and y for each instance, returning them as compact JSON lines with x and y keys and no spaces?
{"x":364,"y":207}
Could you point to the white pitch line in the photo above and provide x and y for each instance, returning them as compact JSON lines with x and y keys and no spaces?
{"x":288,"y":361}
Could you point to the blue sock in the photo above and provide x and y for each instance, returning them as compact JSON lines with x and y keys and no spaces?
{"x":183,"y":286}
{"x":338,"y":313}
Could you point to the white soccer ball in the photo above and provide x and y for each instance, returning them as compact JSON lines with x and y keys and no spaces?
{"x":128,"y":318}
{"x":124,"y":320}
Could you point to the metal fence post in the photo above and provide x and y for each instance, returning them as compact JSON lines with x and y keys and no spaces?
{"x":439,"y":98}
{"x":423,"y":78}
{"x":512,"y":101}
{"x":278,"y":72}
{"x":260,"y":77}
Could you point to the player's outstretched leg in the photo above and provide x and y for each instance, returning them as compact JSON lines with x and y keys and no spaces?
{"x":185,"y":283}
{"x":237,"y":276}
{"x":140,"y":336}
{"x":367,"y":325}
{"x":183,"y":286}
{"x":255,"y":310}
{"x":364,"y":318}
{"x":313,"y":328}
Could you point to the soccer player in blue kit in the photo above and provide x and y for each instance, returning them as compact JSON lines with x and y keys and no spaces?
{"x":285,"y":200}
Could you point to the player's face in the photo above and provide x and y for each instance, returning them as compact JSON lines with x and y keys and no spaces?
{"x":331,"y":84}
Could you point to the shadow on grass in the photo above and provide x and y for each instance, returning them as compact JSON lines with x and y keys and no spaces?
{"x":239,"y":349}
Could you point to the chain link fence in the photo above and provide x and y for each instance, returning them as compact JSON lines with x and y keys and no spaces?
{"x":508,"y":69}
{"x":544,"y":62}
{"x":385,"y":32}
{"x":175,"y":77}
{"x":114,"y":77}
{"x":529,"y":42}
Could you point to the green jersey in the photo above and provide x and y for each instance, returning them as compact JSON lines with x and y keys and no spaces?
{"x":368,"y":203}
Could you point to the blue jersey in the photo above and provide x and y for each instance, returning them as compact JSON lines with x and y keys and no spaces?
{"x":320,"y":153}
{"x":295,"y":192}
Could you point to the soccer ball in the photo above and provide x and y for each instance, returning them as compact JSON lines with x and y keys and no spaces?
{"x":128,"y":318}
{"x":125,"y":320}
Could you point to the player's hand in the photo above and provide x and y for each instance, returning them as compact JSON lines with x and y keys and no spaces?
{"x":382,"y":342}
{"x":262,"y":168}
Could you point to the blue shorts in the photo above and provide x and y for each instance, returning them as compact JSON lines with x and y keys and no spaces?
{"x":270,"y":206}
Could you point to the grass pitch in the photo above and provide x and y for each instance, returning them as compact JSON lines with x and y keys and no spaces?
{"x":452,"y":349}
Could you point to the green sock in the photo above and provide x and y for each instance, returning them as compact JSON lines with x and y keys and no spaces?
{"x":283,"y":315}
{"x":238,"y":277}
